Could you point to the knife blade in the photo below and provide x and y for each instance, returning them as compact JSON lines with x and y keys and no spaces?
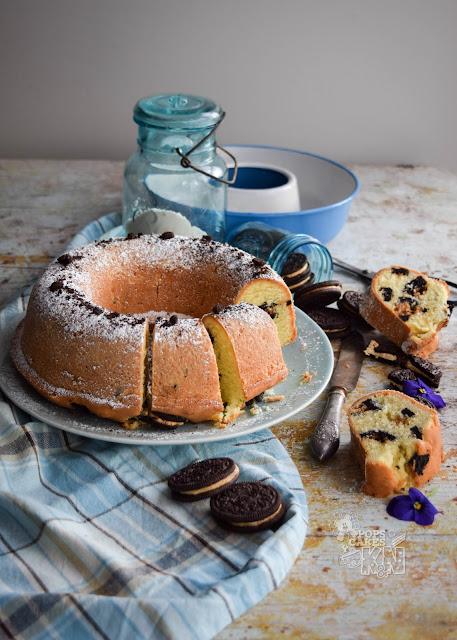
{"x":369,"y":275}
{"x":326,"y":436}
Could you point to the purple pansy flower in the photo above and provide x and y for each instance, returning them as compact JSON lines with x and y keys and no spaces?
{"x":419,"y":389}
{"x":415,"y":506}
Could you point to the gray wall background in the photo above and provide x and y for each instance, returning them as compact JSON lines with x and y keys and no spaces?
{"x":364,"y":81}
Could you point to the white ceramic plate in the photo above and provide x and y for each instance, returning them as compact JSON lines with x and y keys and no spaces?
{"x":310,"y":352}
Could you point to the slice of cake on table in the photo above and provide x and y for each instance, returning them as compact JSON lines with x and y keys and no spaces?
{"x":407,"y":307}
{"x":249,"y":362}
{"x":397,"y":441}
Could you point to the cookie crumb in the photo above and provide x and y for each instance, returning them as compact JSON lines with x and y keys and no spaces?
{"x":274,"y":398}
{"x":306,"y":377}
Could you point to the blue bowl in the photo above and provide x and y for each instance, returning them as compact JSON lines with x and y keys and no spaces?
{"x":326,"y":190}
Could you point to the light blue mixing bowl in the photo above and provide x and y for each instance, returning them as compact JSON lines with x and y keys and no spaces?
{"x":326,"y":190}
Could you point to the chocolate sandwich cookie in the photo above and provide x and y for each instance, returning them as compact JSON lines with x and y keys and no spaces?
{"x":248,"y":506}
{"x":296,"y":264}
{"x":203,"y":479}
{"x":383,"y":349}
{"x":426,"y":370}
{"x":162,"y":420}
{"x":296,"y":272}
{"x":399,"y":376}
{"x":350,"y":305}
{"x":319,"y":294}
{"x":334,"y":323}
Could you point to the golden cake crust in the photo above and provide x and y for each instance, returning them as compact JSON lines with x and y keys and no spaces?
{"x":380,"y":479}
{"x":375,"y":311}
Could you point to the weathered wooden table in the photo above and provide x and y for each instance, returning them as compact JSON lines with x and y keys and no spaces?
{"x":402,"y":215}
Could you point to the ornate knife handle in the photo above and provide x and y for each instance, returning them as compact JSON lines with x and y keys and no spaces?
{"x":326,"y":436}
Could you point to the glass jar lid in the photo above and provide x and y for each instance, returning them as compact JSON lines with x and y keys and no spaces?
{"x":177,"y":111}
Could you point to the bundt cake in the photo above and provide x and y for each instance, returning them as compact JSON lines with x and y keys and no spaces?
{"x":397,"y":441}
{"x":249,"y":362}
{"x":86,"y":336}
{"x":407,"y":307}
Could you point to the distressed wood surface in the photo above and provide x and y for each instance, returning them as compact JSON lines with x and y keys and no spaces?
{"x":401,"y":215}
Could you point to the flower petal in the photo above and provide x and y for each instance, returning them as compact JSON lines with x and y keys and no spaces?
{"x":411,"y":388}
{"x":416,"y":495}
{"x":425,"y":515}
{"x":401,"y":507}
{"x":419,"y":388}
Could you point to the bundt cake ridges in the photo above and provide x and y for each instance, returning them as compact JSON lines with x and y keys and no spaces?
{"x":96,"y":293}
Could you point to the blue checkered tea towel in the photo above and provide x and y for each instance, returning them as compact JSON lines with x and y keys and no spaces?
{"x":93,"y":546}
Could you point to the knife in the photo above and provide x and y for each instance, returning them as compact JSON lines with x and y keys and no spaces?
{"x":369,"y":275}
{"x":326,"y":436}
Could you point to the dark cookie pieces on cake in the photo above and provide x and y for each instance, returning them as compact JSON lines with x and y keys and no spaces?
{"x":203,"y":479}
{"x":248,"y":507}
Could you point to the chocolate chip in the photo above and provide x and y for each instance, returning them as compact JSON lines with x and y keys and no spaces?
{"x":380,"y":436}
{"x":407,"y":412}
{"x":167,"y":235}
{"x":65,"y":259}
{"x":419,"y":463}
{"x":416,"y":286}
{"x":258,"y":262}
{"x":131,"y":236}
{"x":57,"y":285}
{"x":416,"y":432}
{"x":218,"y":308}
{"x":369,"y":405}
{"x":386,"y":293}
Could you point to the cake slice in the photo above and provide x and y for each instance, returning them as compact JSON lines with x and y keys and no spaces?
{"x":249,"y":361}
{"x":184,"y":378}
{"x":397,"y":441}
{"x":407,"y":307}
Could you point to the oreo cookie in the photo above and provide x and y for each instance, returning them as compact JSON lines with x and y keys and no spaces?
{"x":383,"y":349}
{"x":248,"y":507}
{"x":399,"y":376}
{"x":162,"y":420}
{"x":203,"y":479}
{"x":296,"y":272}
{"x":334,"y":323}
{"x":295,"y":264}
{"x":319,"y":294}
{"x":350,"y":305}
{"x":426,"y":370}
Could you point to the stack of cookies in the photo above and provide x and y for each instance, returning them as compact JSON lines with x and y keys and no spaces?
{"x":314,"y":298}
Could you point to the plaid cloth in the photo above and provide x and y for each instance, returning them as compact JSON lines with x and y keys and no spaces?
{"x":93,"y":546}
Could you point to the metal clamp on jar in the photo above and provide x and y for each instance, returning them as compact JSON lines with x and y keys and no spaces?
{"x":176,"y":181}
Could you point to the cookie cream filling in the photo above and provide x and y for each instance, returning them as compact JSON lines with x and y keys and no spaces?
{"x":255,"y":523}
{"x":235,"y":473}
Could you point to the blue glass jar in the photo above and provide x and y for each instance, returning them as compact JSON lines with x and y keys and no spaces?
{"x":175,"y":181}
{"x":276,"y":245}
